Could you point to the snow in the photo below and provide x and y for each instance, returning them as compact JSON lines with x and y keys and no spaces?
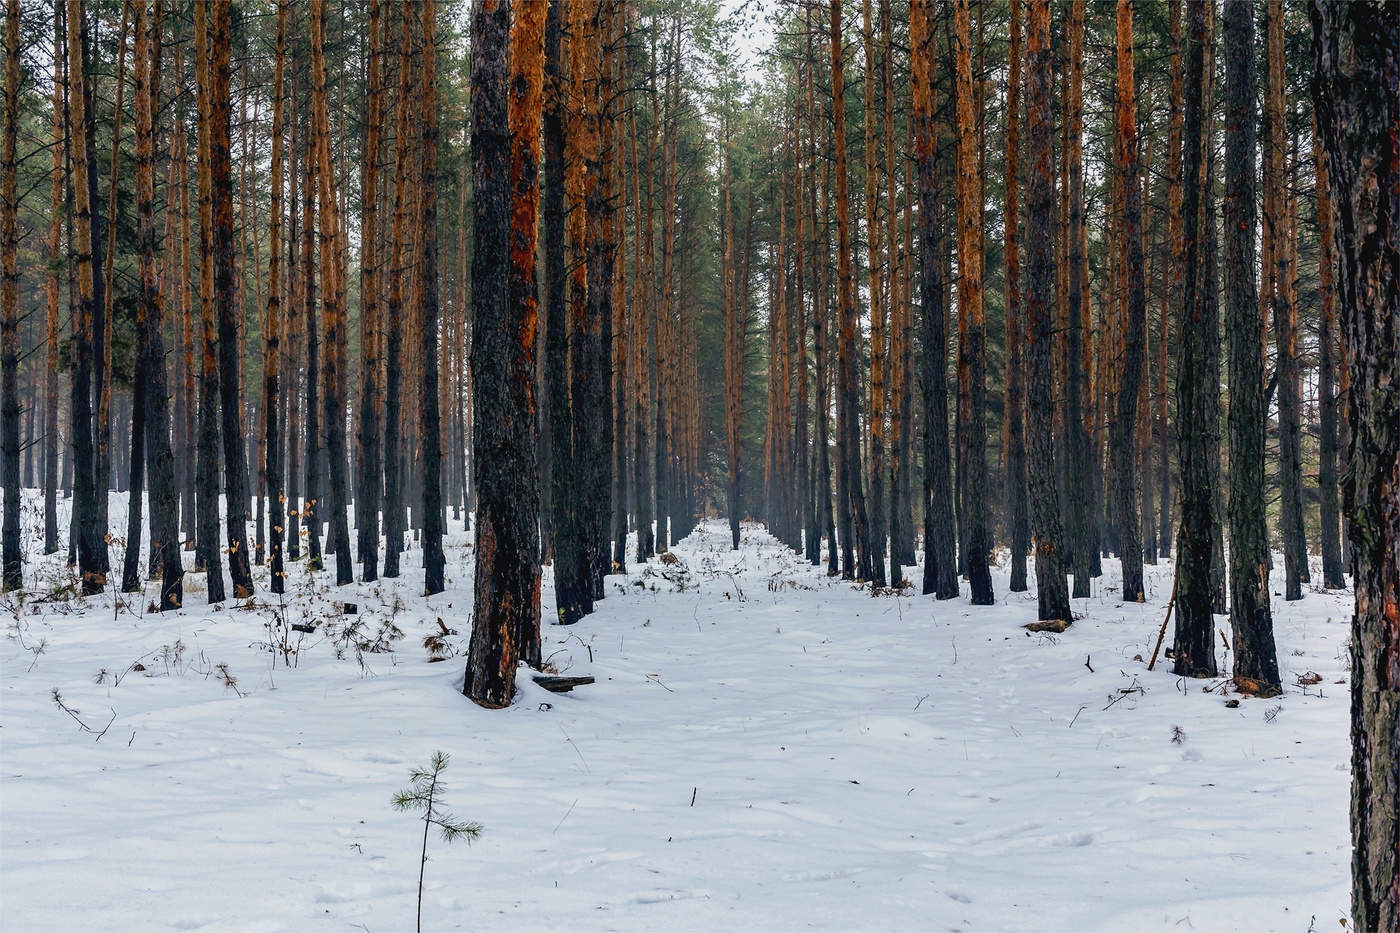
{"x":765,"y":748}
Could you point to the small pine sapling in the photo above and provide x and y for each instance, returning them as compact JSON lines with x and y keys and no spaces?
{"x":424,"y":795}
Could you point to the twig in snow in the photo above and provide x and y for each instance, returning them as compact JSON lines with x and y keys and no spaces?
{"x":921,"y":702}
{"x":1076,"y":716}
{"x":576,"y":751}
{"x":1087,"y":664}
{"x":58,"y":699}
{"x":564,"y":817}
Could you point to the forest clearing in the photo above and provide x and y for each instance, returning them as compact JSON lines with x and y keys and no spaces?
{"x":765,"y":747}
{"x":700,"y":464}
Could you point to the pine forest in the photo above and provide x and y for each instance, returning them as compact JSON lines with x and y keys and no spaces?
{"x":765,"y":464}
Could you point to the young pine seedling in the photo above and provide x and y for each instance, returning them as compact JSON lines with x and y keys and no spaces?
{"x":424,"y":795}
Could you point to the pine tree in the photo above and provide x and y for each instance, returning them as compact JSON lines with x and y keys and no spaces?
{"x":1051,"y":587}
{"x":940,"y":559}
{"x":524,"y":114}
{"x":855,"y":537}
{"x":1194,"y":649}
{"x":1355,"y":47}
{"x":1124,"y":426}
{"x":11,"y":576}
{"x":154,"y":414}
{"x":972,"y":346}
{"x":1256,"y":661}
{"x":434,"y":561}
{"x":272,"y":326}
{"x":507,"y":589}
{"x":91,"y":548}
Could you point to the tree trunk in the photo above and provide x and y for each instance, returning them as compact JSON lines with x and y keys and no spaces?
{"x":1285,"y":319}
{"x":564,"y":546}
{"x":879,"y":338}
{"x":851,"y":495}
{"x":1332,"y":573}
{"x":272,"y":359}
{"x":1124,"y":426}
{"x":972,"y":350}
{"x":1194,"y":649}
{"x":370,"y":483}
{"x":400,"y":260}
{"x":1078,"y":444}
{"x":11,"y":575}
{"x":1014,"y":431}
{"x":507,"y":589}
{"x":524,"y":114}
{"x":1171,"y":276}
{"x":1256,"y":661}
{"x":434,"y":560}
{"x":1358,"y":106}
{"x":151,"y":413}
{"x":1051,"y":587}
{"x":91,"y":548}
{"x":52,"y":333}
{"x":226,"y":302}
{"x":940,"y":558}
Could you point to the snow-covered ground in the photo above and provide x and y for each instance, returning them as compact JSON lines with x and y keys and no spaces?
{"x":764,"y":749}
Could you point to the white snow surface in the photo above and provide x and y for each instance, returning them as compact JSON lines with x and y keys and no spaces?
{"x":765,"y":748}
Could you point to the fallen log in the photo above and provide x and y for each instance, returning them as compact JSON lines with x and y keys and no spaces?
{"x":555,"y":683}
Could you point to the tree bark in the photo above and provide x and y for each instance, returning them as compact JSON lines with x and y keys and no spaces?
{"x":1332,"y":573}
{"x":1194,"y":649}
{"x":972,"y":349}
{"x":91,"y":549}
{"x":1251,"y":621}
{"x":155,"y":418}
{"x":940,"y":557}
{"x":523,"y":115}
{"x":1357,"y":97}
{"x":507,"y":589}
{"x":434,"y":560}
{"x":1052,"y":590}
{"x":11,"y":574}
{"x":1124,"y":427}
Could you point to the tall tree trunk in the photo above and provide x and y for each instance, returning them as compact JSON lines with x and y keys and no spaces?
{"x":972,"y":350}
{"x":369,"y":482}
{"x":1051,"y":587}
{"x":1285,"y":318}
{"x":226,"y":301}
{"x":560,"y":416}
{"x":187,"y":402}
{"x":1078,"y":449}
{"x":1124,"y":426}
{"x":55,"y":257}
{"x":272,"y":326}
{"x":434,"y":560}
{"x":852,"y":494}
{"x":1171,"y":276}
{"x":1357,"y":97}
{"x":91,"y":549}
{"x":400,"y":260}
{"x":735,"y":321}
{"x":11,"y":575}
{"x":1014,"y":431}
{"x":879,"y":337}
{"x":1256,"y":661}
{"x":155,"y":420}
{"x":940,"y":558}
{"x":1194,"y":649}
{"x":328,"y":209}
{"x":507,"y":590}
{"x":1332,"y":573}
{"x":524,"y":112}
